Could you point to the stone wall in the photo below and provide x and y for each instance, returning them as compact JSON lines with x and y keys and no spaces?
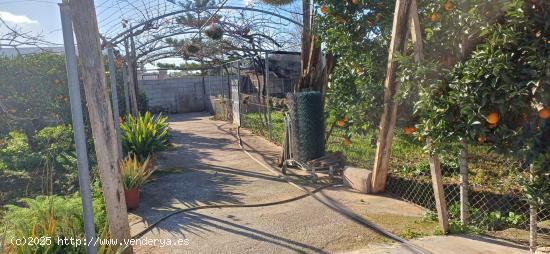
{"x":185,"y":94}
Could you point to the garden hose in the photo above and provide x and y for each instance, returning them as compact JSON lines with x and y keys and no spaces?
{"x":344,"y":212}
{"x":151,"y":226}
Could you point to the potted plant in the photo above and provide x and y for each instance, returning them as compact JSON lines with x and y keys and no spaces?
{"x":134,"y":175}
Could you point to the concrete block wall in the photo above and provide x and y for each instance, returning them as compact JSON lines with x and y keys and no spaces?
{"x":185,"y":94}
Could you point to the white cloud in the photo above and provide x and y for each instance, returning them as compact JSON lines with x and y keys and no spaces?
{"x":248,"y":2}
{"x":16,"y":19}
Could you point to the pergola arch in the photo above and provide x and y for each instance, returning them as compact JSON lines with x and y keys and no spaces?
{"x":123,"y":35}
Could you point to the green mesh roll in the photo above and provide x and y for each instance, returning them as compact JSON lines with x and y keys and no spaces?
{"x":310,"y":123}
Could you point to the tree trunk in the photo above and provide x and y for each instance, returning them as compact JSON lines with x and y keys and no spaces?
{"x":306,"y":39}
{"x":101,"y":117}
{"x":131,"y":79}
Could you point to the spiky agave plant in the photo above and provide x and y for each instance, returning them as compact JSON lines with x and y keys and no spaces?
{"x":135,"y":173}
{"x":144,"y":135}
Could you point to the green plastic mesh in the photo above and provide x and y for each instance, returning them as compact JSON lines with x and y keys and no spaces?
{"x":306,"y":114}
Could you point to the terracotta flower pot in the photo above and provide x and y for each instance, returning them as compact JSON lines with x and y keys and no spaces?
{"x":132,"y":198}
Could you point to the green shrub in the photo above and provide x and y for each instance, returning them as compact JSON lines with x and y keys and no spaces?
{"x":58,"y":156}
{"x":144,"y":135}
{"x":16,"y":153}
{"x":49,"y":217}
{"x":34,"y":86}
{"x":255,"y":123}
{"x":143,"y":102}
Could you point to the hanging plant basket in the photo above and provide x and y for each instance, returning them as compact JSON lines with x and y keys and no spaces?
{"x":244,"y":31}
{"x":278,"y":2}
{"x":193,"y":48}
{"x":214,"y":31}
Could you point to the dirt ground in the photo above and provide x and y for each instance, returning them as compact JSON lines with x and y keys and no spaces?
{"x":207,"y":166}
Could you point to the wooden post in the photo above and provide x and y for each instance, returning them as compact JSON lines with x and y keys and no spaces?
{"x":435,"y":165}
{"x":440,"y":203}
{"x":114,"y":98}
{"x":101,"y":117}
{"x":464,"y":203}
{"x":389,"y":116}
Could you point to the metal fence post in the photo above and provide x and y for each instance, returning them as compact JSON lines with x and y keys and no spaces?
{"x":532,"y":216}
{"x":464,"y":203}
{"x":78,"y":126}
{"x":239,"y":91}
{"x":267,"y":93}
{"x":114,"y":98}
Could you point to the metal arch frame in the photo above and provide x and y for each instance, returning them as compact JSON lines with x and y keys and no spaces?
{"x":121,"y":36}
{"x":158,"y":38}
{"x":161,"y":47}
{"x":161,"y":55}
{"x":192,"y":31}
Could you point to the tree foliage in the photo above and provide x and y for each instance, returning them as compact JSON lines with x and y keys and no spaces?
{"x":34,"y":92}
{"x":494,"y":94}
{"x":358,"y":34}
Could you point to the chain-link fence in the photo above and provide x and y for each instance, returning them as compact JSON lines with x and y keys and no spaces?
{"x":500,"y":211}
{"x":262,"y":97}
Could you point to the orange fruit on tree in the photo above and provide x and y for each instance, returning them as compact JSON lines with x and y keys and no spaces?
{"x":544,"y":113}
{"x":324,"y":9}
{"x":493,"y":118}
{"x":409,"y":130}
{"x":341,"y":123}
{"x":355,"y":1}
{"x":347,"y":142}
{"x":435,"y":17}
{"x":481,"y":139}
{"x":449,"y":6}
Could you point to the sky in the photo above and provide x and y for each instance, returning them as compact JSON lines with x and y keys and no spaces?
{"x":42,"y":16}
{"x":38,"y":17}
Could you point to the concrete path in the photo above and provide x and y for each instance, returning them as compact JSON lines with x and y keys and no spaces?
{"x":208,"y":167}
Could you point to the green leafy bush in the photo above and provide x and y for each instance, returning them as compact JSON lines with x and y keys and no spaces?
{"x":34,"y":86}
{"x":46,"y":218}
{"x":15,"y":153}
{"x":255,"y":123}
{"x":144,"y":135}
{"x":57,"y":153}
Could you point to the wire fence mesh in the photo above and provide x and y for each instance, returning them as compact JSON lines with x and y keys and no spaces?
{"x":497,"y":212}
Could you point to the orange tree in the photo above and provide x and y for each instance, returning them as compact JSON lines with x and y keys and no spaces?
{"x":499,"y":94}
{"x":357,"y":32}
